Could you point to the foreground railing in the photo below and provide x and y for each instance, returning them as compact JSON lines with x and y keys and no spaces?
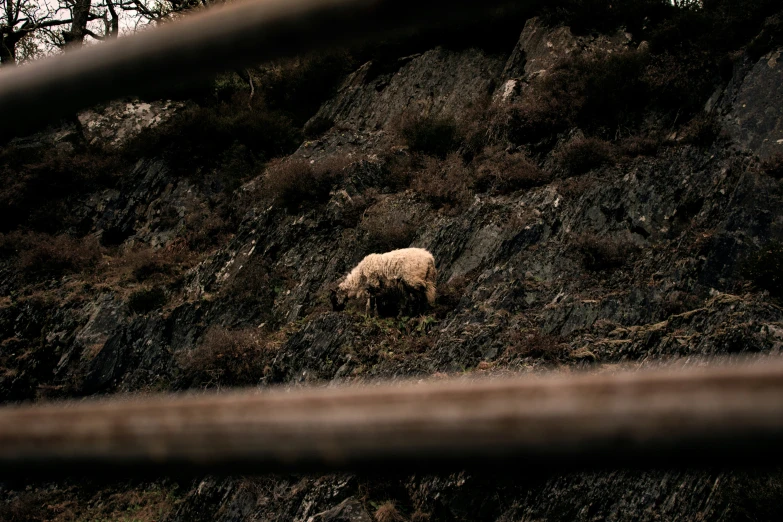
{"x":724,"y":415}
{"x":241,"y":32}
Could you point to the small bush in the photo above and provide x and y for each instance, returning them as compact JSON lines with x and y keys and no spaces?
{"x":773,"y":166}
{"x":639,"y":146}
{"x":317,"y":127}
{"x":433,"y":136}
{"x":146,"y":300}
{"x":148,"y":263}
{"x":388,"y":229}
{"x":602,"y":93}
{"x":206,"y":227}
{"x":257,"y":284}
{"x":504,"y":173}
{"x":450,"y":294}
{"x":485,"y":124}
{"x":444,"y":183}
{"x":526,"y":343}
{"x":420,"y":516}
{"x":586,"y":16}
{"x":765,"y":268}
{"x":299,"y":85}
{"x":42,"y":255}
{"x":600,"y":254}
{"x":196,"y":140}
{"x":39,"y":182}
{"x":702,"y":131}
{"x":26,"y":507}
{"x":387,"y":512}
{"x":295,"y":182}
{"x":585,"y":154}
{"x":227,"y":358}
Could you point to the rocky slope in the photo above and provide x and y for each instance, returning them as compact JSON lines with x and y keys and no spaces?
{"x":662,"y":244}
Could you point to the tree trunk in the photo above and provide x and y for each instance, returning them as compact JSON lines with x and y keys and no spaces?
{"x":113,"y":30}
{"x":80,"y":16}
{"x":8,"y":50}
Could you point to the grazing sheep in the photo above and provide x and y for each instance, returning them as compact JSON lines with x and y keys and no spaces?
{"x":400,"y":281}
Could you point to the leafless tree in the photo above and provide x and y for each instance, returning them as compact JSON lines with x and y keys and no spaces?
{"x":19,"y":20}
{"x":32,"y":28}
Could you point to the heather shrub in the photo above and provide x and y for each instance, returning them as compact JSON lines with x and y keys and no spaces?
{"x":595,"y":92}
{"x":599,"y":254}
{"x":765,"y":268}
{"x":702,"y":130}
{"x":227,"y":358}
{"x":444,"y":183}
{"x":317,"y":127}
{"x":430,"y":135}
{"x":773,"y":166}
{"x":291,"y":183}
{"x":639,"y":146}
{"x":145,"y":300}
{"x":388,"y":229}
{"x":484,"y":124}
{"x":586,"y":16}
{"x":503,"y":173}
{"x":533,"y":344}
{"x":26,"y":507}
{"x":206,"y":226}
{"x":147,"y":263}
{"x":196,"y":140}
{"x":297,"y":86}
{"x":450,"y":294}
{"x":585,"y":154}
{"x":420,"y":516}
{"x":602,"y":93}
{"x":37,"y":254}
{"x":39,"y":182}
{"x":256,"y":284}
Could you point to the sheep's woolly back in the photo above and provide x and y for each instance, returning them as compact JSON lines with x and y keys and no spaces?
{"x":415,"y":267}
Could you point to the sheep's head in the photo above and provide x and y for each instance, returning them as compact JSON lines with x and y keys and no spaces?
{"x":338,"y":298}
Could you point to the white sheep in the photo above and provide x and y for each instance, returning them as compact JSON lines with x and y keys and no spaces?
{"x":398,"y":281}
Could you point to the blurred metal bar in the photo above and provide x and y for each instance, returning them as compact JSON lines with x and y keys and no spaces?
{"x":718,"y":416}
{"x":234,"y":34}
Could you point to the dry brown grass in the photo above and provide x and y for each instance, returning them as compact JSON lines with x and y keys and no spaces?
{"x":387,"y":512}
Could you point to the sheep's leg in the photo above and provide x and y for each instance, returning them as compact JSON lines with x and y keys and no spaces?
{"x":372,"y":305}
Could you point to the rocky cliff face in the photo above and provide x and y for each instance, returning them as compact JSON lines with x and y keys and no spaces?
{"x":644,"y":254}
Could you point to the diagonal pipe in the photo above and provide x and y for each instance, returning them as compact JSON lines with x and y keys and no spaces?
{"x":719,"y":416}
{"x":230,"y":35}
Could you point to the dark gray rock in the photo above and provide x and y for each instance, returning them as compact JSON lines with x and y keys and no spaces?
{"x":349,"y":510}
{"x":755,"y":117}
{"x":437,"y":83}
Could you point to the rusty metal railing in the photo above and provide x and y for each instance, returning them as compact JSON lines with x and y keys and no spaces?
{"x":716,"y":416}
